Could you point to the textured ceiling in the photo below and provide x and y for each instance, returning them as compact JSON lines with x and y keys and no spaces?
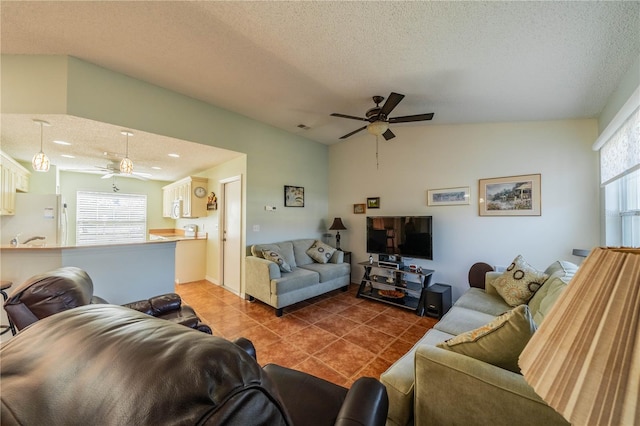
{"x":291,"y":63}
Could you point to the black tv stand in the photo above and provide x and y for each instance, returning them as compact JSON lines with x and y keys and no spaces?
{"x":391,"y":286}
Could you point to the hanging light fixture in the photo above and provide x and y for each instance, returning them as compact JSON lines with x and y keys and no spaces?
{"x":40,"y":161}
{"x":378,"y":127}
{"x":126,"y":165}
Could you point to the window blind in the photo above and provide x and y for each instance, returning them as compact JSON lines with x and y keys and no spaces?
{"x":621,"y":154}
{"x":107,"y":218}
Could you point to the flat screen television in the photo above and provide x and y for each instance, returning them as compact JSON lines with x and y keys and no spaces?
{"x":406,"y":236}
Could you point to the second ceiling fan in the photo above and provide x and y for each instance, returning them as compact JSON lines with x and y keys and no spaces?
{"x":378,"y":117}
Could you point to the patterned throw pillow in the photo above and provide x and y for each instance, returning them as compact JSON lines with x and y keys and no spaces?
{"x":320,"y":252}
{"x":519,"y":282}
{"x":276,"y":257}
{"x":498,"y":343}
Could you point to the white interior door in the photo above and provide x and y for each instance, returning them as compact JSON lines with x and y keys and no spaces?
{"x":231,"y":234}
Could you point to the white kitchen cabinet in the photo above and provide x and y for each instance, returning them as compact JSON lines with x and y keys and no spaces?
{"x":191,"y":261}
{"x":185,"y":189}
{"x":13,"y":177}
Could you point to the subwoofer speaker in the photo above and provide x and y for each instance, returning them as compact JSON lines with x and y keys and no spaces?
{"x":438,"y":300}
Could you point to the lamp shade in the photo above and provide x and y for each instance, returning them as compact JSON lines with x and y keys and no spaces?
{"x":378,"y":127}
{"x":126,"y":166}
{"x":337,"y":225}
{"x":40,"y":162}
{"x":584,"y":360}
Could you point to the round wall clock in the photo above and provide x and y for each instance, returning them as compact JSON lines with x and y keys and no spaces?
{"x":200,"y":192}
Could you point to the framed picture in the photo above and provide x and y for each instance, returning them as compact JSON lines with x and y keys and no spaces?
{"x":510,"y":196}
{"x":448,"y":196}
{"x":293,"y":196}
{"x":359,"y":208}
{"x":373,"y":203}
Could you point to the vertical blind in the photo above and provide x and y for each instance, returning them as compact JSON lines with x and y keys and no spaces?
{"x":107,"y":218}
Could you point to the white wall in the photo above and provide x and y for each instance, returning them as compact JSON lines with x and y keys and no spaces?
{"x":445,"y":156}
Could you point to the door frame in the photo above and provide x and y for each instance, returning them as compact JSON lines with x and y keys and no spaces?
{"x":221,"y":226}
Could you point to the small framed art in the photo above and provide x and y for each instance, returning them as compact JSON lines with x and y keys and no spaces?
{"x":373,"y":203}
{"x":448,"y":196}
{"x":293,"y":196}
{"x":359,"y":208}
{"x":510,"y":196}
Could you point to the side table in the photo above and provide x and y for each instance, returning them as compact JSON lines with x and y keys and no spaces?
{"x":347,"y":257}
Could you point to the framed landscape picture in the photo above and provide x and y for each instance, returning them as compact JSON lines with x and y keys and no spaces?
{"x":510,"y":196}
{"x":359,"y":208}
{"x":293,"y":196}
{"x":448,"y":196}
{"x":373,"y":202}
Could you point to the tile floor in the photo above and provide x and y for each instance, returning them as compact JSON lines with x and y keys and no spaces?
{"x":337,"y":336}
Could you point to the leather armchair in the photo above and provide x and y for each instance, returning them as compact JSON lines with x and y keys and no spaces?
{"x":130,"y":368}
{"x":69,"y":287}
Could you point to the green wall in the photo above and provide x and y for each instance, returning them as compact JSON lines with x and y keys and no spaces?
{"x":274,"y":157}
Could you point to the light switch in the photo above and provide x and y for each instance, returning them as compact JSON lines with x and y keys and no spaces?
{"x":256,"y":228}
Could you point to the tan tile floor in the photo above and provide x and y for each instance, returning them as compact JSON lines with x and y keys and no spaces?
{"x":337,"y":336}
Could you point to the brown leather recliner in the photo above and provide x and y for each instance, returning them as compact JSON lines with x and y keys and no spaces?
{"x":104,"y":364}
{"x":69,"y":287}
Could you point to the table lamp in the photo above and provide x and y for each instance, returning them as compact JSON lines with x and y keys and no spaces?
{"x":337,"y":225}
{"x":584,"y":359}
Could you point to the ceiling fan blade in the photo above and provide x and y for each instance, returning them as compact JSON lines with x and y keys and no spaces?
{"x":134,"y":175}
{"x":106,"y":176}
{"x":353,"y":133}
{"x":410,"y":118}
{"x":393,"y":101}
{"x":335,"y":114}
{"x":388,"y":135}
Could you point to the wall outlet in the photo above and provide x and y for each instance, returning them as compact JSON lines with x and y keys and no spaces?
{"x":269,"y":208}
{"x":256,"y":228}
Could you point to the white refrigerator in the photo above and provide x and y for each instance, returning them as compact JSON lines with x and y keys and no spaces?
{"x":36,"y":215}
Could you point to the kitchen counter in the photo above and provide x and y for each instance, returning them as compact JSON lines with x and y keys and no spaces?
{"x":174,"y":235}
{"x":121,"y":273}
{"x":155,"y":236}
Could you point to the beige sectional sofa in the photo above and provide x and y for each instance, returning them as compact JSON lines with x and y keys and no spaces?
{"x":430,"y":385}
{"x":269,"y":282}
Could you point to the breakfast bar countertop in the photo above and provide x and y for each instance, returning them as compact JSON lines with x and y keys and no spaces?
{"x":155,"y":236}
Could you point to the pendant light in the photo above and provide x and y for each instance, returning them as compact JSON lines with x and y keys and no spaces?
{"x":40,"y":161}
{"x":126,"y":165}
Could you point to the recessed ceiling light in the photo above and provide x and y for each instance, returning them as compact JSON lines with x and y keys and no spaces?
{"x":67,"y":156}
{"x":156,"y":168}
{"x":62,"y":143}
{"x":174,"y":155}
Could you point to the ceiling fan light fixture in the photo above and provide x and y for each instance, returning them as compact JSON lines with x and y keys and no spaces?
{"x":126,"y":165}
{"x":378,"y":127}
{"x":40,"y":161}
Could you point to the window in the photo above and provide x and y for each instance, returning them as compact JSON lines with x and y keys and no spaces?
{"x":620,"y":177}
{"x":106,"y":218}
{"x":622,"y":211}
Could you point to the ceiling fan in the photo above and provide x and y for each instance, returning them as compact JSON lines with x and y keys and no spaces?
{"x":113,"y":169}
{"x":378,"y":117}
